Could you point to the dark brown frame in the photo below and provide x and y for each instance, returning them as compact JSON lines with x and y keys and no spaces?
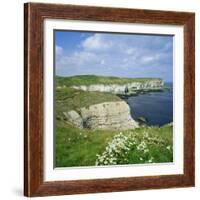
{"x":34,"y":16}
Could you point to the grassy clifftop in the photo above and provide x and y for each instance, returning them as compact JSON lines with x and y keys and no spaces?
{"x":92,"y":79}
{"x":70,"y":99}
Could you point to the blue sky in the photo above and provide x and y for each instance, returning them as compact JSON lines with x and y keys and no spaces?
{"x":111,"y":54}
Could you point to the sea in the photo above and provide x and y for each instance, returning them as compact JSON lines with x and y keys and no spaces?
{"x":155,"y":107}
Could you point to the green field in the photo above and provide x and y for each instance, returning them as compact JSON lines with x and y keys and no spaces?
{"x":92,"y":79}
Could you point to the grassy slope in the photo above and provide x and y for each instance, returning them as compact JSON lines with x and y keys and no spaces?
{"x":92,"y":79}
{"x":76,"y":147}
{"x":70,"y":99}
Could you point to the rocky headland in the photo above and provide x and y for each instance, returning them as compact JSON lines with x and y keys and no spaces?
{"x":94,"y":100}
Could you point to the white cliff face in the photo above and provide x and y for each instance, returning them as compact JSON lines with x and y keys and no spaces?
{"x":108,"y":115}
{"x":117,"y":89}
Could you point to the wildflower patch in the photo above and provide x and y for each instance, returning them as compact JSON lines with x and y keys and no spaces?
{"x":136,"y":147}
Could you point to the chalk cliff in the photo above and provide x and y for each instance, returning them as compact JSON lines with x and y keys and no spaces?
{"x":108,"y":115}
{"x":120,"y":89}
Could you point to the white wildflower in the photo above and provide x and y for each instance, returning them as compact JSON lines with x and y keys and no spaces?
{"x":168,"y":147}
{"x":146,"y":150}
{"x":141,"y":146}
{"x":150,"y":160}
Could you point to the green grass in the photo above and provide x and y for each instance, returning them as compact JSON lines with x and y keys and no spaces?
{"x":92,"y":79}
{"x":76,"y":147}
{"x":70,"y":99}
{"x":80,"y":147}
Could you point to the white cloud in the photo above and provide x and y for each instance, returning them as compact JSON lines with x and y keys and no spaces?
{"x":59,"y":50}
{"x":130,"y":51}
{"x":102,"y":62}
{"x":96,"y":42}
{"x":148,"y":59}
{"x":125,"y":60}
{"x":78,"y":58}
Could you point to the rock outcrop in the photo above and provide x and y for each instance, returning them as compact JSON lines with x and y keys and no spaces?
{"x":120,"y":89}
{"x":73,"y":117}
{"x":108,"y":115}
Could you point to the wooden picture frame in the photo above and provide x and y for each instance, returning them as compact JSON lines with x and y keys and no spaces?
{"x":34,"y":15}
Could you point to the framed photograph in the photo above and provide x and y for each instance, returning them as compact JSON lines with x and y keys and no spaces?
{"x":109,"y":99}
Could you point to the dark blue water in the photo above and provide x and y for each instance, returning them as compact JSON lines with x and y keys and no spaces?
{"x":155,"y":107}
